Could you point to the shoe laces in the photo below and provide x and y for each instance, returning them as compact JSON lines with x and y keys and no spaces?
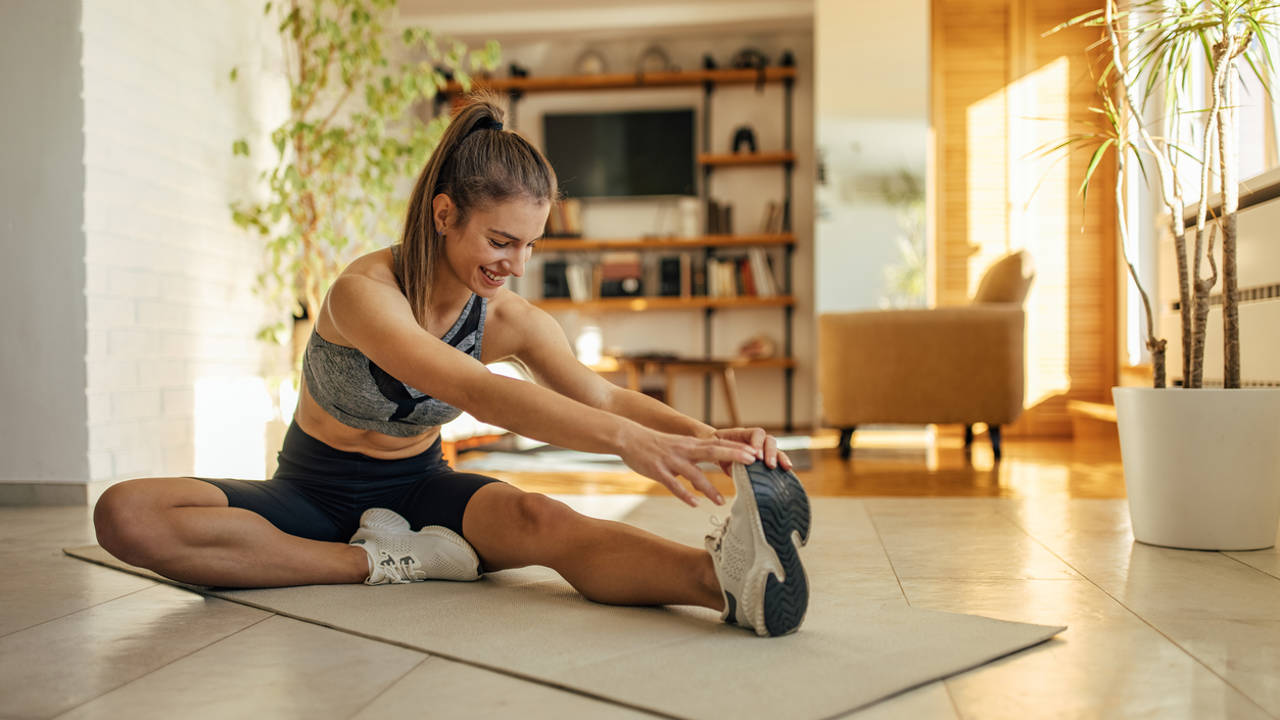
{"x":720,"y":528}
{"x":399,"y":571}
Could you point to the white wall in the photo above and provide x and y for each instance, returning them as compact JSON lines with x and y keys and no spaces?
{"x":43,"y":433}
{"x":871,"y":111}
{"x":761,"y":392}
{"x":126,"y":291}
{"x":174,"y":382}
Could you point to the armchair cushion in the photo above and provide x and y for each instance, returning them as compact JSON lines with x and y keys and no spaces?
{"x":1006,"y":281}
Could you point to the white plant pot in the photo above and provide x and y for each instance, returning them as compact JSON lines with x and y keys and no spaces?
{"x":1201,"y":467}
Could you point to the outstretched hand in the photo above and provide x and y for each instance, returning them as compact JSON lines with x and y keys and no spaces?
{"x":666,"y":457}
{"x":763,"y":445}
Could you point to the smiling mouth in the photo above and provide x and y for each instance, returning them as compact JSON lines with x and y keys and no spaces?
{"x":491,"y":277}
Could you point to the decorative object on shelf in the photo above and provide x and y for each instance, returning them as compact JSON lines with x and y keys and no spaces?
{"x":621,"y":274}
{"x":518,"y":71}
{"x":751,"y":59}
{"x":590,"y":62}
{"x":708,"y":62}
{"x":565,"y":219}
{"x":758,"y":347}
{"x":787,"y":59}
{"x":654,"y":60}
{"x":744,"y":135}
{"x":687,"y":210}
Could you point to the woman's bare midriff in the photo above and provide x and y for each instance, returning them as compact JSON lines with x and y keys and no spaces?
{"x":317,"y":423}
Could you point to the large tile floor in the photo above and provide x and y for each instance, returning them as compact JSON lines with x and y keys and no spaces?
{"x":1043,"y":537}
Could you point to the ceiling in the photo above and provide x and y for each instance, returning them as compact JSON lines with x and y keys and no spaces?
{"x":547,"y":19}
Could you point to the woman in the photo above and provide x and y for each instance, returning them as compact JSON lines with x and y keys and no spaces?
{"x":399,"y":347}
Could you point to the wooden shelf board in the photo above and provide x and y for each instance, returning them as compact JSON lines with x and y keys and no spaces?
{"x":670,"y":243}
{"x":561,"y":83}
{"x":640,"y":304}
{"x":759,"y":158}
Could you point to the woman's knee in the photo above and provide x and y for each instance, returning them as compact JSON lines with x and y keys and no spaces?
{"x":129,"y":517}
{"x":541,"y":517}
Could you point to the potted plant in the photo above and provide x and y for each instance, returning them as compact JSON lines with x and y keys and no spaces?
{"x":352,"y":137}
{"x":1202,"y":466}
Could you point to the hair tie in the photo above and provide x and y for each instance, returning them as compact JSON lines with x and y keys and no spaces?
{"x":486,"y":123}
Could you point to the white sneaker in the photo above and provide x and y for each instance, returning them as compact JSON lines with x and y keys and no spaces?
{"x":399,"y":555}
{"x":755,"y":554}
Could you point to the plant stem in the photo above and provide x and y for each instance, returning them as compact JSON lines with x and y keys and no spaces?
{"x":1228,"y":158}
{"x":1156,"y":346}
{"x":1170,"y":195}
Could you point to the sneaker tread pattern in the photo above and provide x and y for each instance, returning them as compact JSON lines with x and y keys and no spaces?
{"x":784,"y":510}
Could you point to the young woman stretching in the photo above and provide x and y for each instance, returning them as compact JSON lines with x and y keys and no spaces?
{"x":400,"y":347}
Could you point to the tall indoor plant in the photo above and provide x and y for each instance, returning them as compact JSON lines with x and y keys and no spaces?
{"x":1202,"y":467}
{"x":352,"y":137}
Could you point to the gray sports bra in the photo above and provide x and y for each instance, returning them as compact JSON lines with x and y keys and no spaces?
{"x":353,"y":389}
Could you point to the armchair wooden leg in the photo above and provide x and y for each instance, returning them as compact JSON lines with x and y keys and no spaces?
{"x":968,"y":437}
{"x":994,"y":432}
{"x":846,"y":442}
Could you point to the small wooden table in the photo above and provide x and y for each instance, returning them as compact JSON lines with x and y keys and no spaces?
{"x":636,"y":367}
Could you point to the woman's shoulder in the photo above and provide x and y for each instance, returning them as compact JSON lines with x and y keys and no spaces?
{"x":375,"y":265}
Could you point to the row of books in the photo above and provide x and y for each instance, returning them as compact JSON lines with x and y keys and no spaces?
{"x":633,"y":274}
{"x":720,"y":218}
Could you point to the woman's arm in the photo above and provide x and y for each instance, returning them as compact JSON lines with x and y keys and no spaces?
{"x":378,"y":321}
{"x":546,"y":352}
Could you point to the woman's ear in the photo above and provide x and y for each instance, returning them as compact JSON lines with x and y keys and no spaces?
{"x":443,"y":211}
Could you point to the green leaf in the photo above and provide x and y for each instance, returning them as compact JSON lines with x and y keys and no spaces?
{"x":266,"y":9}
{"x":1093,"y":165}
{"x":240,"y":147}
{"x":235,"y":72}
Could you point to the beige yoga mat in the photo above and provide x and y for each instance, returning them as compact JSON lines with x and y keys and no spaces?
{"x":859,"y":643}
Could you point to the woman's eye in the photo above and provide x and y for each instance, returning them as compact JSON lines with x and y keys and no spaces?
{"x":497,"y":244}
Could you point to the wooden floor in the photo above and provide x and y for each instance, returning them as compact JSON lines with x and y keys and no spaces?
{"x":909,"y":463}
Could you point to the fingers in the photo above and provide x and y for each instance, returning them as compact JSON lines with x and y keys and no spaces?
{"x":700,"y":481}
{"x":786,"y":461}
{"x":770,"y":454}
{"x":677,"y":488}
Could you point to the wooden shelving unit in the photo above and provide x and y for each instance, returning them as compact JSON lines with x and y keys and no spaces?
{"x":760,"y":158}
{"x":641,"y":304}
{"x":670,"y":243}
{"x":622,"y":81}
{"x":708,"y":245}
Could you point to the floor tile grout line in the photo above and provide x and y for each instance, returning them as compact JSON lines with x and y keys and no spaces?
{"x":876,"y":528}
{"x":184,"y":656}
{"x":83,"y":609}
{"x":501,"y":671}
{"x":1141,"y":619}
{"x":1251,"y":567}
{"x":393,"y":683}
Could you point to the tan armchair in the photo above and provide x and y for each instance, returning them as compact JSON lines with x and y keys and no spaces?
{"x":945,"y":365}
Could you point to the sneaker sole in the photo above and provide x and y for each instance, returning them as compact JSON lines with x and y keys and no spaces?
{"x":781,"y":508}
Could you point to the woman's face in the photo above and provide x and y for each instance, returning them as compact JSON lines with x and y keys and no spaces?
{"x":493,"y":243}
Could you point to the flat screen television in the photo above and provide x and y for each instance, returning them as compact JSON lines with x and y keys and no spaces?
{"x":622,"y":154}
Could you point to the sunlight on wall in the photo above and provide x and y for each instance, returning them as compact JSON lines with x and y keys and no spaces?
{"x":1045,"y":221}
{"x":230,"y":418}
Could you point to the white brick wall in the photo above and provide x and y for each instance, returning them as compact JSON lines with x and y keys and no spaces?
{"x":169,"y":276}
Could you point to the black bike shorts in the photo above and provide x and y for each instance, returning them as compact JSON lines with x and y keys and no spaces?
{"x":318,"y":492}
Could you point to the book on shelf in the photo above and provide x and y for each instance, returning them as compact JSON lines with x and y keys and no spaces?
{"x":555,"y":281}
{"x":565,"y":219}
{"x":719,"y":218}
{"x":771,"y":223}
{"x":670,"y":276}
